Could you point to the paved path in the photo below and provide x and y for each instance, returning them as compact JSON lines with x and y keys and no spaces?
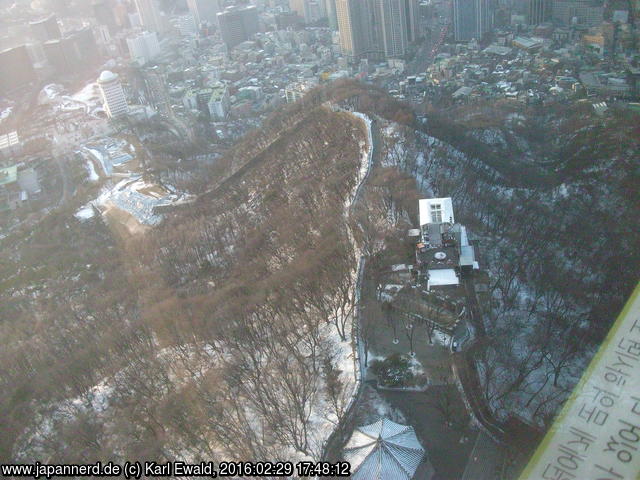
{"x":442,"y":443}
{"x":485,"y":460}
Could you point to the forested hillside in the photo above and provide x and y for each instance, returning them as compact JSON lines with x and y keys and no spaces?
{"x":551,"y":195}
{"x":224,"y":333}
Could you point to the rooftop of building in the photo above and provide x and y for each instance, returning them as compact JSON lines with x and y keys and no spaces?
{"x":8,"y":175}
{"x":8,"y":140}
{"x":218,"y":92}
{"x":107,"y":76}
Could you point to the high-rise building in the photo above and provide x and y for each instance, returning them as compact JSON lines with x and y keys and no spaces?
{"x":219,"y":103}
{"x":359,"y":27}
{"x":237,"y":24}
{"x":84,"y":46}
{"x":144,"y":47}
{"x":412,"y":12}
{"x":150,"y":16}
{"x":16,"y":69}
{"x":471,"y":19}
{"x":186,"y":25}
{"x":75,"y":51}
{"x":539,"y":11}
{"x":309,"y":10}
{"x":205,"y":10}
{"x":45,"y":29}
{"x":397,"y":27}
{"x":287,"y":20}
{"x":583,"y":12}
{"x":104,"y":13}
{"x":115,"y":102}
{"x":121,"y":14}
{"x":375,"y":29}
{"x":57,"y":56}
{"x":332,"y":15}
{"x":36,"y":54}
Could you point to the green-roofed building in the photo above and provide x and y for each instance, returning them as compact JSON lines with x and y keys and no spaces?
{"x":8,"y":175}
{"x":10,"y":192}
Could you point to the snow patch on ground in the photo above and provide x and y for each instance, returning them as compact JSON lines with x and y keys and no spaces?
{"x":93,"y":175}
{"x":97,"y":401}
{"x":4,"y":114}
{"x":85,"y":213}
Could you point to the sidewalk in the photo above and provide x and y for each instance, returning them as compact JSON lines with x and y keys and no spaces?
{"x":485,"y":460}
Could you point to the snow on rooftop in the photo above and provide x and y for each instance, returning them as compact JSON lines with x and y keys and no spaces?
{"x":443,"y":276}
{"x":429,"y":208}
{"x":85,"y":213}
{"x":5,"y":113}
{"x":10,"y":139}
{"x":107,"y":76}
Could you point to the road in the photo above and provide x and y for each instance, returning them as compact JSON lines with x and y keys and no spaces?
{"x":446,"y":453}
{"x":65,"y":180}
{"x":485,"y":460}
{"x":475,"y":312}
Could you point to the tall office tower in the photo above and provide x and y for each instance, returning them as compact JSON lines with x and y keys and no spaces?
{"x":115,"y":103}
{"x":237,"y":24}
{"x":104,"y":13}
{"x":46,"y":29}
{"x":36,"y":54}
{"x":375,"y":29}
{"x":57,"y":57}
{"x":358,"y":24}
{"x":16,"y":69}
{"x":393,"y":22}
{"x":83,"y":47}
{"x":205,"y":10}
{"x":144,"y":47}
{"x":76,"y":51}
{"x":583,"y":12}
{"x":471,"y":19}
{"x":539,"y":11}
{"x":150,"y":15}
{"x":310,"y":10}
{"x":330,"y":6}
{"x":121,"y":14}
{"x":413,"y":19}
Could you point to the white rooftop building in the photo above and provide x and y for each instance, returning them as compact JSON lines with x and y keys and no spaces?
{"x":436,"y":210}
{"x":444,"y":251}
{"x":144,"y":47}
{"x":115,"y":102}
{"x":9,"y":144}
{"x":442,"y":277}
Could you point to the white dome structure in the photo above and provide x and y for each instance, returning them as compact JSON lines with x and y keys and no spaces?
{"x":107,"y":76}
{"x":384,"y":450}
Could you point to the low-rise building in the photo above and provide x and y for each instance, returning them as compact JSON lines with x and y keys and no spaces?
{"x":295,"y":91}
{"x":16,"y":186}
{"x":10,"y":145}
